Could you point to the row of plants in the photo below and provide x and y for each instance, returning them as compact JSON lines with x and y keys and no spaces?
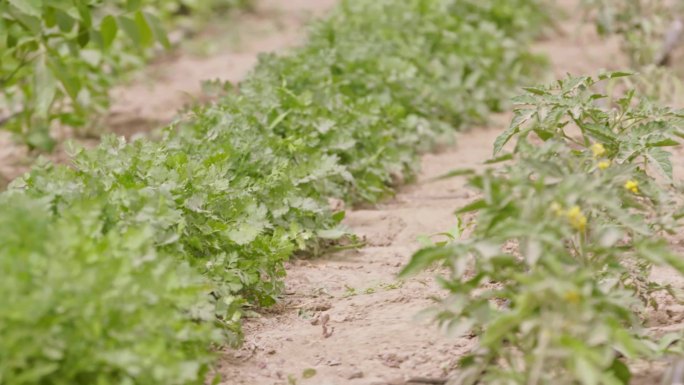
{"x":133,"y":262}
{"x":643,"y":26}
{"x":650,"y":34}
{"x":59,"y":59}
{"x":552,"y":269}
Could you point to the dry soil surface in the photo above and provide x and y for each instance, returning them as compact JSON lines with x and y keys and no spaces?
{"x":346,"y":316}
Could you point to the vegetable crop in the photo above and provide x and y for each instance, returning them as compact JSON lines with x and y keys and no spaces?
{"x":554,"y":278}
{"x":236,"y":188}
{"x":58,"y":59}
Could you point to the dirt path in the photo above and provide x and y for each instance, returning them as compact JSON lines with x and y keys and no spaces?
{"x":374,"y":334}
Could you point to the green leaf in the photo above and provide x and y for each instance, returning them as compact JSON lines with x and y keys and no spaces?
{"x":621,"y":371}
{"x":130,"y":27}
{"x":497,"y":330}
{"x":587,"y":373}
{"x":536,"y":90}
{"x":521,"y":117}
{"x":70,"y":83}
{"x":500,"y":159}
{"x":145,"y":32}
{"x":83,"y":37}
{"x":474,"y":206}
{"x":133,"y":5}
{"x":332,"y":234}
{"x":615,"y":75}
{"x":108,"y":29}
{"x":158,"y":29}
{"x":667,"y":142}
{"x":45,"y":86}
{"x":454,"y":173}
{"x":660,"y":159}
{"x":339,"y":216}
{"x":600,"y":132}
{"x":28,"y":7}
{"x":424,"y":259}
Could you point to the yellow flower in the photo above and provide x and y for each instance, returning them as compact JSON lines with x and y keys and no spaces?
{"x":572,"y":296}
{"x":557,"y":209}
{"x":632,"y":186}
{"x":604,"y":164}
{"x":598,"y":150}
{"x":576,"y":218}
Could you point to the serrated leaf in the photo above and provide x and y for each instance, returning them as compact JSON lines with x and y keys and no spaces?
{"x":660,"y":159}
{"x":521,"y":117}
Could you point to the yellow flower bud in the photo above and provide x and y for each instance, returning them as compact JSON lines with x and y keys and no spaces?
{"x":598,"y":150}
{"x":604,"y":164}
{"x":572,"y":297}
{"x":576,"y":218}
{"x":557,"y":209}
{"x":632,"y":186}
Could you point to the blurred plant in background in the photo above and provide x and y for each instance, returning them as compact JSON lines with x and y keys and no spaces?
{"x":58,"y":59}
{"x":650,"y":32}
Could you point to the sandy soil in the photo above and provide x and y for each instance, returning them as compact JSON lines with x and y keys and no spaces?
{"x":374,"y":332}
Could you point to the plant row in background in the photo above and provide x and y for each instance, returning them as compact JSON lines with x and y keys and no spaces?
{"x":130,"y":264}
{"x":554,"y":276}
{"x":58,"y":59}
{"x":650,"y":33}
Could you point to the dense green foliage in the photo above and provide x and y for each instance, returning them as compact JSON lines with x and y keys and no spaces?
{"x":58,"y":59}
{"x":85,"y":305}
{"x":555,"y":276}
{"x":236,"y":188}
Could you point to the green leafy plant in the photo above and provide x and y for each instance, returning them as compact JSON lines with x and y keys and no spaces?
{"x":243,"y":184}
{"x":58,"y":59}
{"x":235,"y":188}
{"x":81,"y":304}
{"x":554,"y":276}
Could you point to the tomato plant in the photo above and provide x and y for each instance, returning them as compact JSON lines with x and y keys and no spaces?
{"x":554,"y":278}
